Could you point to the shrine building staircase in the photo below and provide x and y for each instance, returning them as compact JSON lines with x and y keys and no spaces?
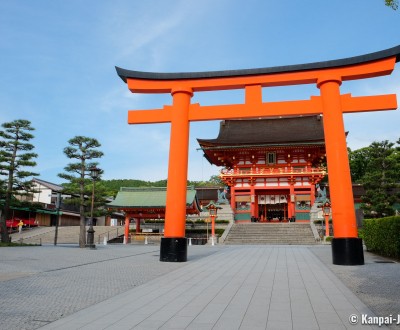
{"x":270,"y":233}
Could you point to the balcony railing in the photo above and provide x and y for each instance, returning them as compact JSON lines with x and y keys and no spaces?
{"x":274,"y":171}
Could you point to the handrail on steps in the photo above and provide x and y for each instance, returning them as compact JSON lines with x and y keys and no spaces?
{"x":115,"y":230}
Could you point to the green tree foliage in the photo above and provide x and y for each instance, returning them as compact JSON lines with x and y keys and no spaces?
{"x":113,"y":186}
{"x":377,"y":167}
{"x":359,"y":160}
{"x":394,"y":4}
{"x":215,"y":180}
{"x":15,"y":156}
{"x":83,"y":150}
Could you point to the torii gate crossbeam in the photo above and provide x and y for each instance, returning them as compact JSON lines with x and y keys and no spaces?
{"x":328,"y":76}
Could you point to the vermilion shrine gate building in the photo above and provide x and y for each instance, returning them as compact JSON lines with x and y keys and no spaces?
{"x":271,"y":166}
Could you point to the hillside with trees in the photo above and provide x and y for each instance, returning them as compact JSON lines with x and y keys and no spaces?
{"x":113,"y":186}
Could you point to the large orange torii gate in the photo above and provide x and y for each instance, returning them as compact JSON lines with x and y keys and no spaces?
{"x":328,"y":76}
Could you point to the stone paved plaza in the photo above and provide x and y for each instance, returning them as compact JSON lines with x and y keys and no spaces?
{"x":220,"y":287}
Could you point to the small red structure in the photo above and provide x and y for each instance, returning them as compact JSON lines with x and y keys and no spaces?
{"x":148,"y":203}
{"x":327,"y":76}
{"x":13,"y":223}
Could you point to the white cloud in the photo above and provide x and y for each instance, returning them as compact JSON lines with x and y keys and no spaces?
{"x":136,"y":36}
{"x":118,"y":98}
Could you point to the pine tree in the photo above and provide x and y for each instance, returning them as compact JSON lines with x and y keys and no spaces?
{"x":377,"y":167}
{"x":15,"y":154}
{"x":83,"y":149}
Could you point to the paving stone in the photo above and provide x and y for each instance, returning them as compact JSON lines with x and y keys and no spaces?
{"x":221,"y":287}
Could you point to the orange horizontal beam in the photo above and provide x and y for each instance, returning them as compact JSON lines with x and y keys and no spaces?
{"x":274,"y":174}
{"x":231,"y":111}
{"x":156,"y":116}
{"x":267,"y":109}
{"x":350,"y":72}
{"x":368,"y":103}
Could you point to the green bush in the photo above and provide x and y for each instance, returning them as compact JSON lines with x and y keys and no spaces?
{"x":202,"y":221}
{"x":198,"y":221}
{"x":4,"y":244}
{"x":361,"y":233}
{"x":218,"y":232}
{"x":149,"y":221}
{"x":321,"y":222}
{"x":383,"y":236}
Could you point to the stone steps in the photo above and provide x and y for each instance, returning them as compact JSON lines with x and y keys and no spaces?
{"x":280,"y":233}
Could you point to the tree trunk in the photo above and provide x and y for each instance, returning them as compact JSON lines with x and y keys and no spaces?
{"x":6,"y":214}
{"x":82,"y":230}
{"x":3,"y":228}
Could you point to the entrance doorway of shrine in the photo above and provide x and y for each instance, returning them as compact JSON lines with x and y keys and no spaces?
{"x":272,"y":207}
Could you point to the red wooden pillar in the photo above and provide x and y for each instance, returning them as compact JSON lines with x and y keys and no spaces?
{"x":346,"y":246}
{"x":138,"y":225}
{"x":126,"y":229}
{"x":291,"y":202}
{"x":174,"y":245}
{"x":213,"y":226}
{"x":252,"y":202}
{"x":256,"y":211}
{"x":312,"y":192}
{"x":233,"y":202}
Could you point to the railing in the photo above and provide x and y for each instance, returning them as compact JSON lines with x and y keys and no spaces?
{"x":274,"y":171}
{"x":111,"y":234}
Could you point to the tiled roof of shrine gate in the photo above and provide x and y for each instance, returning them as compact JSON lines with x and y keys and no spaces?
{"x":152,"y":197}
{"x":271,"y":131}
{"x":391,"y":52}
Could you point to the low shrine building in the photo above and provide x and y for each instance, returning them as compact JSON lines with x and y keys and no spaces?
{"x":149,"y":203}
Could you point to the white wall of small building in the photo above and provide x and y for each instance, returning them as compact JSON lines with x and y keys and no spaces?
{"x":43,"y":195}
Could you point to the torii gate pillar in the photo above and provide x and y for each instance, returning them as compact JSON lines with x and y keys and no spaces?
{"x":174,"y":244}
{"x":346,"y":246}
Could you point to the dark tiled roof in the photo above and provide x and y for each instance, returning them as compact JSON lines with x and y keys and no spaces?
{"x":209,"y":193}
{"x":149,"y":197}
{"x":306,"y":129}
{"x":358,"y":190}
{"x":52,"y":186}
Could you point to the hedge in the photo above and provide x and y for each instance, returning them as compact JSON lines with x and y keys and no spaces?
{"x":149,"y":221}
{"x":218,"y":231}
{"x":383,"y":236}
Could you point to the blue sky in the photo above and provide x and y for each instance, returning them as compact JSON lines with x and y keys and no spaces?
{"x":57,"y":62}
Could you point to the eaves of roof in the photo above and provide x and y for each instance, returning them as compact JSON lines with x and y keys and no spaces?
{"x":146,"y":198}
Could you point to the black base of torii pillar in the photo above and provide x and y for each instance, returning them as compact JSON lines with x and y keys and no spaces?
{"x":173,"y":249}
{"x":347,"y":251}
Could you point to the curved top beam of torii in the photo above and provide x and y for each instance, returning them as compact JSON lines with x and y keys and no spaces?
{"x":253,"y":80}
{"x":380,"y":55}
